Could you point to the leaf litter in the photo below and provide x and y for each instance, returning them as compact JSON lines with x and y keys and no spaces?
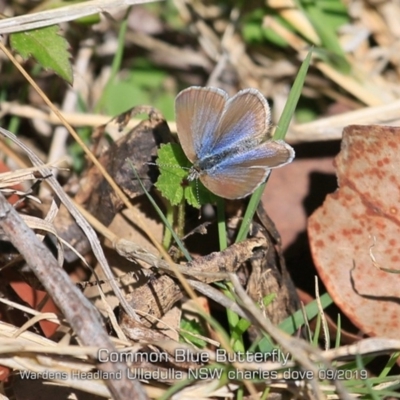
{"x":271,"y":69}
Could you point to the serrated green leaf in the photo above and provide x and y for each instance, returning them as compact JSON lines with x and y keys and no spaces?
{"x":172,"y":181}
{"x":173,"y":172}
{"x":48,"y":48}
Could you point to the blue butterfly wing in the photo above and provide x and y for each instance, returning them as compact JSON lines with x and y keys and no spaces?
{"x":226,"y":138}
{"x":240,"y":173}
{"x":269,"y":154}
{"x":246,"y":118}
{"x":198,"y":112}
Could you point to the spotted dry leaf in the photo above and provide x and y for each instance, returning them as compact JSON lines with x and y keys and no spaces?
{"x":355,"y":235}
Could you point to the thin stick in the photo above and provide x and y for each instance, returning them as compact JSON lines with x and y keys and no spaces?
{"x":63,"y":14}
{"x":79,"y":312}
{"x":137,"y":217}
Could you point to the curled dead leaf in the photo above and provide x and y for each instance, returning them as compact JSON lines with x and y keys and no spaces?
{"x":355,"y":235}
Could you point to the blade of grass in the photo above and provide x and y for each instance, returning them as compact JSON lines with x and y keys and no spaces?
{"x":250,"y":211}
{"x":117,"y":60}
{"x":293,"y":99}
{"x":167,"y":234}
{"x":223,"y":242}
{"x":368,"y":384}
{"x":331,"y":47}
{"x":317,"y":330}
{"x":389,"y":365}
{"x":291,"y":324}
{"x":162,"y":216}
{"x":280,"y":133}
{"x":168,"y":394}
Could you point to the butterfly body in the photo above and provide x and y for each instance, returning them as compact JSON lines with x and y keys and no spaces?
{"x":226,"y":139}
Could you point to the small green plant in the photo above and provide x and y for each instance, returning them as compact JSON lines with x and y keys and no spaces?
{"x":47,"y":47}
{"x":173,"y":183}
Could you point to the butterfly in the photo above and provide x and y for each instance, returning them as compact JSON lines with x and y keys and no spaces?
{"x":226,"y":139}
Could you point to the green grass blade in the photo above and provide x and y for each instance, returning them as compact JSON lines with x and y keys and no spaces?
{"x":249,"y":214}
{"x":371,"y":391}
{"x":293,"y":99}
{"x":117,"y":60}
{"x":223,"y":241}
{"x":280,"y":133}
{"x":291,"y":324}
{"x":389,"y":365}
{"x":331,"y":48}
{"x":162,"y":216}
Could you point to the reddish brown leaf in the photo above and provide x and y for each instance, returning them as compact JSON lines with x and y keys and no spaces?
{"x":356,"y":233}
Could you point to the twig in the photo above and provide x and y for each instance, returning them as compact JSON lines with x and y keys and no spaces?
{"x":79,"y":312}
{"x":83,"y":224}
{"x":329,"y":128}
{"x":136,"y":216}
{"x":63,"y":14}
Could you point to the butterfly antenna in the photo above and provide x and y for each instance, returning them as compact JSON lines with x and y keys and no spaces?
{"x":168,"y":166}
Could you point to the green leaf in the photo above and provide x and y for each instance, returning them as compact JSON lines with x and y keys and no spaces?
{"x":194,"y":327}
{"x":173,"y":183}
{"x":48,"y":48}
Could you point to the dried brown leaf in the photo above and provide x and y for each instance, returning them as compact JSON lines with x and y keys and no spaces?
{"x":354,"y":236}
